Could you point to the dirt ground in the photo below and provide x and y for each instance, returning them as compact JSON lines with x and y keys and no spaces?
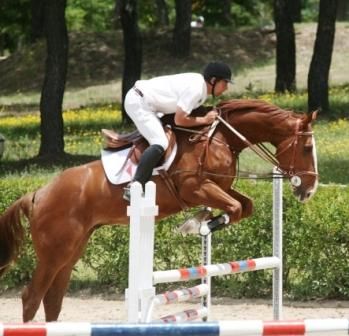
{"x":91,"y":308}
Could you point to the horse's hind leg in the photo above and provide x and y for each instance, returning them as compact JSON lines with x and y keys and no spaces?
{"x":54,"y":296}
{"x":34,"y":292}
{"x":55,"y":246}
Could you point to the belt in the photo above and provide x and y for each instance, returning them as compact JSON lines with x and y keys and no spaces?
{"x":138,"y":91}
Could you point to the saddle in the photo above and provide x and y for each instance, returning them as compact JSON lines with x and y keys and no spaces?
{"x":116,"y":142}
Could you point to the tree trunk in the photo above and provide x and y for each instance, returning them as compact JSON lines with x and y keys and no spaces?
{"x":133,"y":48}
{"x":285,"y":47}
{"x":162,"y":13}
{"x":37,"y":19}
{"x":322,"y":55}
{"x":52,"y":142}
{"x":343,"y":10}
{"x":226,"y":13}
{"x":296,"y":10}
{"x":182,"y":31}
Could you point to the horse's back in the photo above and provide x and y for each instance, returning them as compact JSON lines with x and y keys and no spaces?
{"x":68,"y":186}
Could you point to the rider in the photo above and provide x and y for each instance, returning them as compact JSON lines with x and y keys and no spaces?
{"x":178,"y":94}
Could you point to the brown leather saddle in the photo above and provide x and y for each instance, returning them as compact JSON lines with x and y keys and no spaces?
{"x":116,"y":142}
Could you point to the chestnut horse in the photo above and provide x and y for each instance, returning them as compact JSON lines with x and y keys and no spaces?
{"x":64,"y":213}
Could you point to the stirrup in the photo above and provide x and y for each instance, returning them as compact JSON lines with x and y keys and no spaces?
{"x":127,"y":193}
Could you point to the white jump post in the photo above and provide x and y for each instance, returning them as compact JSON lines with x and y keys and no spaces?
{"x":206,"y":253}
{"x":277,"y":246}
{"x":142,"y":211}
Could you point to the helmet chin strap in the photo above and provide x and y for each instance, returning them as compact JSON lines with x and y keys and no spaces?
{"x":213,"y":87}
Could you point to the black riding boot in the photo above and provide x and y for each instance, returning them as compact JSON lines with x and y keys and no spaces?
{"x":149,"y":159}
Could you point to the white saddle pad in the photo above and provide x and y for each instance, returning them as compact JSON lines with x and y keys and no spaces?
{"x":119,"y":172}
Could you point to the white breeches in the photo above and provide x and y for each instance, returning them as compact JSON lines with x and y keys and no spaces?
{"x":145,"y":119}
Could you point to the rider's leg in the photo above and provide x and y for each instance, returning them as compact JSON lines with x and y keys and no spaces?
{"x":152,"y":130}
{"x":149,"y":159}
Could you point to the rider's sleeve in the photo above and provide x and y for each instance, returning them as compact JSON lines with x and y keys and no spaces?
{"x":189,"y":100}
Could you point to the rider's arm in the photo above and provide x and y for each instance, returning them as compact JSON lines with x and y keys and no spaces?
{"x":184,"y":119}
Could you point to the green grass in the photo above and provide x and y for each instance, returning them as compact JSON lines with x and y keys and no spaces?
{"x":21,"y":171}
{"x":83,"y":142}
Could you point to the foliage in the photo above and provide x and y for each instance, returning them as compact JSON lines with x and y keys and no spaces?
{"x":242,"y":13}
{"x":310,"y":10}
{"x":90,"y":15}
{"x":14,"y":24}
{"x":316,"y":246}
{"x":11,"y":189}
{"x":315,"y":234}
{"x":297,"y":101}
{"x":100,"y":16}
{"x":82,"y":135}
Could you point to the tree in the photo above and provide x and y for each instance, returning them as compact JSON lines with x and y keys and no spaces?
{"x":132,"y":46}
{"x":182,"y":31}
{"x":37,"y":19}
{"x":51,"y":127}
{"x":343,"y":10}
{"x":285,"y":47}
{"x":162,"y":13}
{"x":296,"y":10}
{"x":322,"y":55}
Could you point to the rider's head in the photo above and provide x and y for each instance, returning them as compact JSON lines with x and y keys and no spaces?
{"x":217,"y":75}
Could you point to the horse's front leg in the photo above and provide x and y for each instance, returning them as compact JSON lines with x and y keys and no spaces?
{"x":246,"y":203}
{"x":234,"y":205}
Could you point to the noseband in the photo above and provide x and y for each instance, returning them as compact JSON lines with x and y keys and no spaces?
{"x":291,"y":171}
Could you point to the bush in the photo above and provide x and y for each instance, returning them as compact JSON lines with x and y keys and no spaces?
{"x":316,"y":245}
{"x":10,"y":190}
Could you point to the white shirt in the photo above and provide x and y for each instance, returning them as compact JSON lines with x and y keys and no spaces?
{"x":165,"y":93}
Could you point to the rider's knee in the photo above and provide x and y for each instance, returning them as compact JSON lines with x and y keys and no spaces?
{"x":164,"y":143}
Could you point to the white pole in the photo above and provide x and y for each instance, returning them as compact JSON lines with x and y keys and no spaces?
{"x":142,"y":212}
{"x":206,"y":260}
{"x":233,"y":267}
{"x":277,"y":247}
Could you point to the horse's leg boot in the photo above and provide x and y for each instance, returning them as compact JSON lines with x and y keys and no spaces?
{"x":193,"y":224}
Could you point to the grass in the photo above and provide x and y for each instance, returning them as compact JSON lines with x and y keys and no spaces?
{"x":92,"y":105}
{"x":83,"y":143}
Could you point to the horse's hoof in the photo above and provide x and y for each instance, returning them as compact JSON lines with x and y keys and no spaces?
{"x":194,"y":225}
{"x":190,"y":226}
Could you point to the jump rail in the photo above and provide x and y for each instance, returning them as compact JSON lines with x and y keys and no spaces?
{"x":322,"y":327}
{"x":233,"y":267}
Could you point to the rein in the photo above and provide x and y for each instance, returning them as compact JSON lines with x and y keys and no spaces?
{"x":265,"y":154}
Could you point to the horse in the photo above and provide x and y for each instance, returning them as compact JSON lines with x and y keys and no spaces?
{"x":64,"y":213}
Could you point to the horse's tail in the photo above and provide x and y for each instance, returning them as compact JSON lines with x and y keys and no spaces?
{"x":12,"y":231}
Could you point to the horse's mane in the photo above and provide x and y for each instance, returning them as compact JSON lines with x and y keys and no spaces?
{"x":256,"y":105}
{"x":247,"y":105}
{"x":239,"y":106}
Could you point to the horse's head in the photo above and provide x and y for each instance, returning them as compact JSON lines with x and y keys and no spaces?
{"x":298,"y":160}
{"x":258,"y":121}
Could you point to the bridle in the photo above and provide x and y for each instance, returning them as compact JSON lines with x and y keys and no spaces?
{"x":264,"y":153}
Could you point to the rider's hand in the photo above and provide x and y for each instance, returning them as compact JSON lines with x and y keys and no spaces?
{"x":211,"y":116}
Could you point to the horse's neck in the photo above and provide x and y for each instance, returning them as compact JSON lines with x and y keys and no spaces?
{"x":262,"y":127}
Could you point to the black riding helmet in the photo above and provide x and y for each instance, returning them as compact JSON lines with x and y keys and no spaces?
{"x":218,"y":70}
